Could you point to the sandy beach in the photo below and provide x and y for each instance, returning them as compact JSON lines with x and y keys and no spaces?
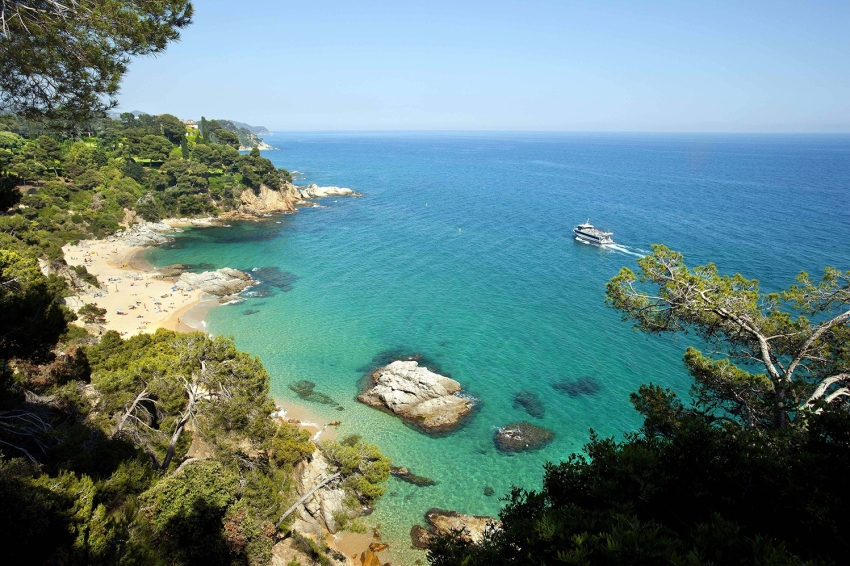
{"x":136,"y":298}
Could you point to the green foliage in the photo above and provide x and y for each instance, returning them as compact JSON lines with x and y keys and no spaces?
{"x":84,"y":274}
{"x":290,"y":444}
{"x":779,"y":367}
{"x":91,"y":312}
{"x":33,"y":317}
{"x":684,"y":491}
{"x":185,"y":511}
{"x":363,"y":467}
{"x":66,"y":62}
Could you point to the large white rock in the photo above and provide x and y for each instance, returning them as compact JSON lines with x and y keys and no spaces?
{"x":417,"y":394}
{"x":221,"y":282}
{"x":145,"y":234}
{"x":315,"y":191}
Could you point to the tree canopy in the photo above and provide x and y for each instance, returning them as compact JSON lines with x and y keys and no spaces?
{"x":786,"y":353}
{"x":65,"y":60}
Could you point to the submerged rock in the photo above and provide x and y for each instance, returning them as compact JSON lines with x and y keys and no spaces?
{"x":417,"y":395}
{"x":519,"y":437}
{"x":404,"y":474}
{"x":442,"y":521}
{"x":576,"y":388}
{"x":306,"y":390}
{"x":489,"y":491}
{"x":529,"y":401}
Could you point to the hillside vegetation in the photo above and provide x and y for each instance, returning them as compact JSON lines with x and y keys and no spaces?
{"x":158,"y":449}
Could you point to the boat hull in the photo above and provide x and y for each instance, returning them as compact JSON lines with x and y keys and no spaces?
{"x":592,"y":240}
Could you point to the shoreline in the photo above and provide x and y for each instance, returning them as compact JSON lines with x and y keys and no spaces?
{"x":136,"y":297}
{"x":130,"y":284}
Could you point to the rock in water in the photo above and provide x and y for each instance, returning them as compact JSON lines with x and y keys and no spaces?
{"x":315,"y":191}
{"x":404,"y":474}
{"x":582,"y":386}
{"x":519,"y":437}
{"x":417,"y":395}
{"x":444,"y":522}
{"x":420,"y":537}
{"x":222,"y":282}
{"x":529,"y":401}
{"x":307,"y":390}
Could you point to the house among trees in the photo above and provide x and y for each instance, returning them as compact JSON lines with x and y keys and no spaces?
{"x":191,"y":124}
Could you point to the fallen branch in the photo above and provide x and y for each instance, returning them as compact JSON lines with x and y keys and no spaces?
{"x":306,"y":496}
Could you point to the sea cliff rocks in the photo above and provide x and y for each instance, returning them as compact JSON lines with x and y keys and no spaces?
{"x":327,"y":503}
{"x":442,"y":521}
{"x":522,"y":436}
{"x":222,"y":282}
{"x":267,"y":200}
{"x":419,"y":396}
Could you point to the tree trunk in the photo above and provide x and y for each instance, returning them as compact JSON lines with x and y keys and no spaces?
{"x":306,"y":496}
{"x":184,"y":418}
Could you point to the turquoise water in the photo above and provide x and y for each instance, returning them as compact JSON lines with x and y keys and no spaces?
{"x":461,"y":250}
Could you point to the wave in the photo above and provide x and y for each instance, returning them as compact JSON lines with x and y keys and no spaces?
{"x":624,"y":249}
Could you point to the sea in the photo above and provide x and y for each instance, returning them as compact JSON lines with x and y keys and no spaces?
{"x":461,"y":251}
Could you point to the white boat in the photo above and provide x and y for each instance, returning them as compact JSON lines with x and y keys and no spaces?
{"x":587,"y":233}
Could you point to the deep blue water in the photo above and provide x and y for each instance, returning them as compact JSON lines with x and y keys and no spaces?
{"x":461,"y":250}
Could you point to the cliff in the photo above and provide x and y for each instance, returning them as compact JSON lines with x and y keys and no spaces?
{"x":267,"y":201}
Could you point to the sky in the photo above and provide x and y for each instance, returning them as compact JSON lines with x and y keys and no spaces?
{"x":507,"y":65}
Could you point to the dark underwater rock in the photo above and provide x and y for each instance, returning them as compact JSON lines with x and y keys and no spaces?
{"x":530,"y":401}
{"x":522,"y":436}
{"x":576,"y":388}
{"x":307,"y":390}
{"x":404,"y":474}
{"x":420,"y":537}
{"x":250,"y":311}
{"x":489,"y":491}
{"x":275,"y":277}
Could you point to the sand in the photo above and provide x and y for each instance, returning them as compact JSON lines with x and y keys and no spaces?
{"x":135,"y":297}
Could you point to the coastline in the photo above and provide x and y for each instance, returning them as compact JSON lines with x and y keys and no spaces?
{"x":130,"y":287}
{"x":136,"y":297}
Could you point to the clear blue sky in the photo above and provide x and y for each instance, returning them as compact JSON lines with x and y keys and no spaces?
{"x":507,"y":65}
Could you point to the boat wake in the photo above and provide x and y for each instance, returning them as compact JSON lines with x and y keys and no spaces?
{"x":623,"y":249}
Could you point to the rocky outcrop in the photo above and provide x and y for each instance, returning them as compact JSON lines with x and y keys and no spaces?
{"x":443,"y":522}
{"x":369,"y":557}
{"x":420,"y":396}
{"x":315,"y":191}
{"x":327,"y":503}
{"x":522,"y":436}
{"x":222,"y":282}
{"x":267,"y":200}
{"x":145,"y":234}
